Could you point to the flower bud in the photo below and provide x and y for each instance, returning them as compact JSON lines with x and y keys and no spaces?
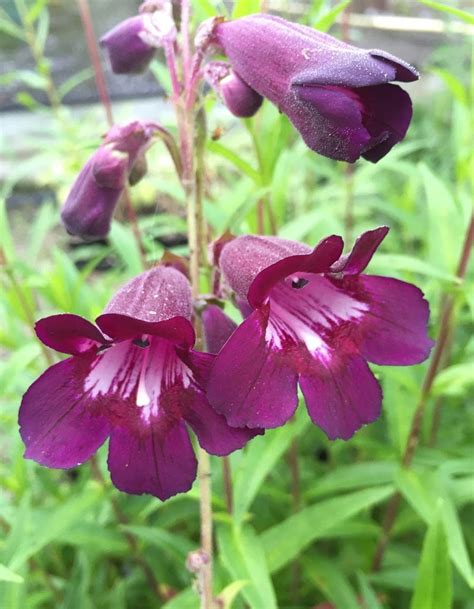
{"x":240,"y":99}
{"x":336,"y":95}
{"x":128,"y":51}
{"x":91,"y":202}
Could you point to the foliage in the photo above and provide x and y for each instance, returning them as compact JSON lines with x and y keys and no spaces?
{"x":70,"y":540}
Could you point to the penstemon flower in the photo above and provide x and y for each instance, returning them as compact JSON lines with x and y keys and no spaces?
{"x":315,"y":321}
{"x":336,"y":95}
{"x":90,"y":205}
{"x":134,"y":378}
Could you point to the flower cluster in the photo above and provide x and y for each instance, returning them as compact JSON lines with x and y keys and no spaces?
{"x":314,"y":318}
{"x":311,"y":316}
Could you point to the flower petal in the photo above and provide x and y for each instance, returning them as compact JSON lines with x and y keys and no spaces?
{"x":212,"y":430}
{"x":59,"y":423}
{"x":252,"y":383}
{"x":156,"y":459}
{"x":217,"y":326}
{"x":68,"y":333}
{"x":341,"y":394}
{"x":364,"y":248}
{"x":394,"y":329}
{"x":317,"y":261}
{"x":123,"y":327}
{"x":387,"y":111}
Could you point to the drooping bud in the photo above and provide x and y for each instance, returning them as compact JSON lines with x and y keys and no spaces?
{"x":240,"y":99}
{"x":339,"y":97}
{"x":90,"y":205}
{"x":128,"y":52}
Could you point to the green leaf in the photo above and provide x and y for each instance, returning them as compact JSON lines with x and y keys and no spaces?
{"x":245,"y":7}
{"x":259,"y":459}
{"x":74,"y":81}
{"x":326,"y":21}
{"x":51,"y":525}
{"x":450,"y":10}
{"x":329,"y":578}
{"x":410,"y":264}
{"x":236,"y":160}
{"x":284,"y":541}
{"x":444,"y":221}
{"x":242,"y":555}
{"x":358,"y":475}
{"x":227,"y":596}
{"x":126,"y":248}
{"x":455,"y":86}
{"x":7,"y":575}
{"x":368,"y":595}
{"x":173,"y":544}
{"x":433,"y":588}
{"x":454,"y":380}
{"x":425,"y":493}
{"x":9,"y":27}
{"x":187,"y":599}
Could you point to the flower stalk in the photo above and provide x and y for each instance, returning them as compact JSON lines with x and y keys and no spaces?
{"x":186,"y":119}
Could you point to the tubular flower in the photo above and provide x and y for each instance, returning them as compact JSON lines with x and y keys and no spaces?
{"x":335,"y":94}
{"x":90,"y":205}
{"x":315,"y":321}
{"x":127,"y":46}
{"x":239,"y":98}
{"x":134,"y":378}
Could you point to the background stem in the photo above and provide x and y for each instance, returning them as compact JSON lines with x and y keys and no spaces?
{"x":445,"y":324}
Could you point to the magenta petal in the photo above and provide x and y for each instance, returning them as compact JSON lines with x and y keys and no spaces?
{"x":212,"y":430}
{"x":158,"y":460}
{"x":68,"y":333}
{"x":341,"y":395}
{"x":122,"y":327}
{"x":318,"y":261}
{"x":394,"y":330}
{"x":217,"y":326}
{"x":251,"y":382}
{"x":364,"y":248}
{"x":59,"y":424}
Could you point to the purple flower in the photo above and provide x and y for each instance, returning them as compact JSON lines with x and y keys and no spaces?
{"x":136,"y":379}
{"x":218,"y":327}
{"x":335,"y":94}
{"x":90,"y":205}
{"x":126,"y":44}
{"x":239,"y":98}
{"x":315,"y":321}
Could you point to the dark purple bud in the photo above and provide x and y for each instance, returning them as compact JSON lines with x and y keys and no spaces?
{"x":90,"y":205}
{"x":128,"y":51}
{"x":240,"y":99}
{"x":336,"y":95}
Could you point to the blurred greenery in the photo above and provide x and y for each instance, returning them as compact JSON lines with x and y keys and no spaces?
{"x":70,"y":540}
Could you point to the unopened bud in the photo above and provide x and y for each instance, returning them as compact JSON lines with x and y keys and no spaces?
{"x":128,"y":51}
{"x":196,"y":560}
{"x":240,"y":99}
